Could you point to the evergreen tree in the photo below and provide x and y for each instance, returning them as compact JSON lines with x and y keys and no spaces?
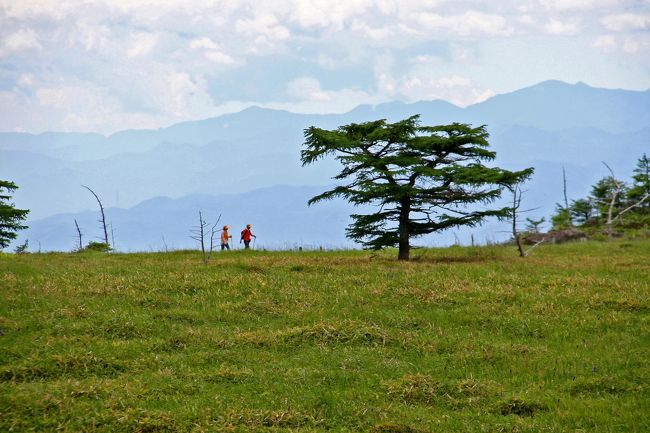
{"x":10,"y":217}
{"x":532,"y":226}
{"x":640,"y":183}
{"x":561,"y":219}
{"x":604,"y":191}
{"x":421,"y":178}
{"x":581,"y":210}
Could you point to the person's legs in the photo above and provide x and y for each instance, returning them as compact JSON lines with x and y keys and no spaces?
{"x":247,"y":244}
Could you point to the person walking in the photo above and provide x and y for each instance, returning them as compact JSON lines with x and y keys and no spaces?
{"x":225,"y":237}
{"x":246,"y":235}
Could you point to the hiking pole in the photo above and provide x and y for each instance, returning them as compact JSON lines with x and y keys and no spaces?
{"x":254,"y":240}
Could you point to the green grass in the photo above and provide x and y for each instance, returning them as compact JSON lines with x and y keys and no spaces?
{"x":458,"y":340}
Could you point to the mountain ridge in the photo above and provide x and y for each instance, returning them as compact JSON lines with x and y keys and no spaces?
{"x":242,"y":152}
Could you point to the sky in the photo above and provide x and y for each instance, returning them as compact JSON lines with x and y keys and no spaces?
{"x":105,"y":66}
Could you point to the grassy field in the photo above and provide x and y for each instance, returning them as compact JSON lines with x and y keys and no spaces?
{"x":458,"y":340}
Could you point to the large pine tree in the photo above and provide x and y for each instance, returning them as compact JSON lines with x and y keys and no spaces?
{"x":421,"y":178}
{"x":10,"y":217}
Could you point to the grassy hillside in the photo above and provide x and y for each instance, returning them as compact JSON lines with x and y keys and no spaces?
{"x":459,"y":340}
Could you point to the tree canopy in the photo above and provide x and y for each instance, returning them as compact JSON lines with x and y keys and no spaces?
{"x":641,"y":182}
{"x":421,"y":178}
{"x":10,"y":217}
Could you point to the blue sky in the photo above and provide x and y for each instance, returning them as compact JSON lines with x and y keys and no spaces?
{"x":105,"y":66}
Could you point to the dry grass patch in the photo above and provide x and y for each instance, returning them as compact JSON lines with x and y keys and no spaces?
{"x":421,"y":389}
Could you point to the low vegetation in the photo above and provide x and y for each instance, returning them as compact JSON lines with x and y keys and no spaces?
{"x":456,"y":340}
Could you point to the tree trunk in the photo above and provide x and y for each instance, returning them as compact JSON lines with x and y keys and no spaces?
{"x":404,"y":247}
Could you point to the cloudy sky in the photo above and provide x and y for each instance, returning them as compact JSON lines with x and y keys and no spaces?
{"x":109,"y":65}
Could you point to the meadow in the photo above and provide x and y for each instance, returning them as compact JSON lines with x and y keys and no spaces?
{"x":460,"y":339}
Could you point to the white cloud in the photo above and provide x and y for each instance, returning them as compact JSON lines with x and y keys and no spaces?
{"x":374,"y":33}
{"x":186,"y":97}
{"x":327,"y":13}
{"x":141,"y":44}
{"x":205,"y":43}
{"x":621,"y":43}
{"x":607,"y":43}
{"x":630,"y":46}
{"x":626,"y":22}
{"x":557,"y":27}
{"x":160,"y":61}
{"x":22,"y":40}
{"x":309,"y":97}
{"x":471,"y":23}
{"x":91,"y":35}
{"x":307,"y":88}
{"x":458,"y":90}
{"x":573,"y":5}
{"x":26,"y":80}
{"x":212,"y":51}
{"x":265,"y":25}
{"x":526,"y":19}
{"x":220,"y":58}
{"x":427,"y":60}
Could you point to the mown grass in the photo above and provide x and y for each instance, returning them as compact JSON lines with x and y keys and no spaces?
{"x":458,"y":340}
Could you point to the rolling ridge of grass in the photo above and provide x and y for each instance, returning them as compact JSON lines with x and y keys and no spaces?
{"x":459,"y":340}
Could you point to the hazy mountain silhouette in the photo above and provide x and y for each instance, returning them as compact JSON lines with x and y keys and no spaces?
{"x":549,"y":125}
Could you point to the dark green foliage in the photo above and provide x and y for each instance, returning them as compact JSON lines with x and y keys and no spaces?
{"x":22,"y":248}
{"x":561,"y":219}
{"x":533,"y":225}
{"x":604,"y":191}
{"x":10,"y":217}
{"x":611,"y":203}
{"x":421,"y":178}
{"x":641,"y":183}
{"x":582,"y":210}
{"x":101,"y":247}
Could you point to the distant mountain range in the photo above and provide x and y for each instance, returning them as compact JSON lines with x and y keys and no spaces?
{"x":547,"y":126}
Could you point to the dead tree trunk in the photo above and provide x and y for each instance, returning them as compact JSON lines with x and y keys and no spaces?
{"x":103,"y":220}
{"x":611,"y":218}
{"x":516,"y":203}
{"x":566,"y":200}
{"x":200,"y":233}
{"x":81,"y":245}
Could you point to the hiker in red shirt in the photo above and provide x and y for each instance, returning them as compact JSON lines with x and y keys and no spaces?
{"x":246,"y":236}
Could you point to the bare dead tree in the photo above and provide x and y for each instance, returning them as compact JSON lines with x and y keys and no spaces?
{"x":81,"y":245}
{"x":517,"y":195}
{"x":200,"y":233}
{"x":618,"y":187}
{"x":516,"y":204}
{"x":112,"y":237}
{"x":103,"y":220}
{"x":566,"y":199}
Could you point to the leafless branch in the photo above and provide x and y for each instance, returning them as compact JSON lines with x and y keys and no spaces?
{"x":103,"y":220}
{"x":81,"y":246}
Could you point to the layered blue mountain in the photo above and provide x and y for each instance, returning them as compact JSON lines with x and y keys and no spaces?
{"x":548,"y":126}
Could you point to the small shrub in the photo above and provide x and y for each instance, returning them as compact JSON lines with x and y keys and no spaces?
{"x":94,"y":246}
{"x":22,"y":249}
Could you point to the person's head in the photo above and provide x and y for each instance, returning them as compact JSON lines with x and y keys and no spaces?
{"x":226,"y":227}
{"x":248,"y":226}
